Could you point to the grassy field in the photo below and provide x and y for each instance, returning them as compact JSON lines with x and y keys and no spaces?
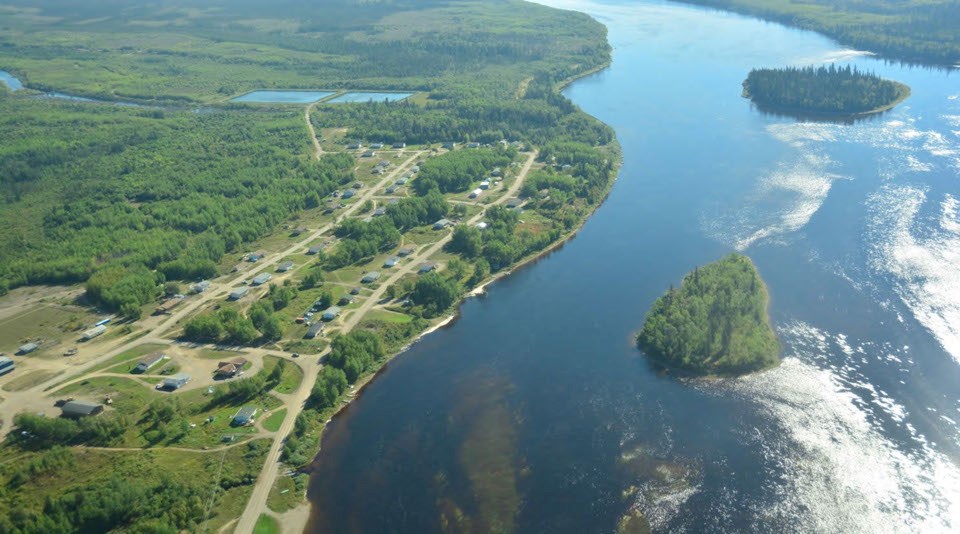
{"x":266,"y":525}
{"x":132,"y":354}
{"x":29,"y":380}
{"x":53,"y":327}
{"x":274,"y":420}
{"x":287,"y":493}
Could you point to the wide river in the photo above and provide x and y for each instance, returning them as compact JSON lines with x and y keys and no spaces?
{"x":534,"y":413}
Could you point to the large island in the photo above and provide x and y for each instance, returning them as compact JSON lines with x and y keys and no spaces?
{"x":823,"y":91}
{"x":715,"y":323}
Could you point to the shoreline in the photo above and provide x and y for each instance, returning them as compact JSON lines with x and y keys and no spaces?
{"x":905,"y":93}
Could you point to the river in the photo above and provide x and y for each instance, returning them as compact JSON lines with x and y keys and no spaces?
{"x":534,"y":413}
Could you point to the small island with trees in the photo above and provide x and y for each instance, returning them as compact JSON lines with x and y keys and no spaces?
{"x":822,"y":91}
{"x":715,"y":323}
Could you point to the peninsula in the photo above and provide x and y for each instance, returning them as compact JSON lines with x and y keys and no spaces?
{"x":715,"y":323}
{"x":826,"y":91}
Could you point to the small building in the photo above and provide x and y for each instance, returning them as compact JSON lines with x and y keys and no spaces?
{"x":239,"y":293}
{"x":496,"y":173}
{"x":485,"y":184}
{"x":370,"y":277}
{"x":426,"y":267}
{"x":449,"y":145}
{"x":285,"y":266}
{"x":314,"y":250}
{"x":514,"y":203}
{"x":406,"y":251}
{"x":346,"y":300}
{"x":476,"y":193}
{"x":106,"y":321}
{"x":380,"y":212}
{"x":355,"y":146}
{"x":391,"y":190}
{"x":392,"y":261}
{"x":200,"y":286}
{"x":349,"y":193}
{"x":399,"y":145}
{"x":148,"y":362}
{"x":245,"y":416}
{"x":482,"y":225}
{"x":229,"y":369}
{"x":254,"y":257}
{"x":6,"y":365}
{"x":473,"y":145}
{"x":383,"y":163}
{"x":175,"y":382}
{"x":315,"y":330}
{"x":355,"y":291}
{"x":331,"y":313}
{"x":378,"y":146}
{"x":368,"y":154}
{"x":402,"y":181}
{"x":27,"y":348}
{"x":167,"y":305}
{"x":415,"y":169}
{"x":298,"y":230}
{"x":77,"y":409}
{"x":93,"y":332}
{"x":441,"y":224}
{"x":262,"y":278}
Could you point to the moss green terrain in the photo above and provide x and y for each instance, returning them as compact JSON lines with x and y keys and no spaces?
{"x":715,"y":323}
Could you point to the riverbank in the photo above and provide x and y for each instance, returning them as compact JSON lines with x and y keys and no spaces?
{"x":903,"y":93}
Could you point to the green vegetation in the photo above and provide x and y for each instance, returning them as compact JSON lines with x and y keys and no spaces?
{"x":823,"y":90}
{"x":715,"y":323}
{"x":274,"y":420}
{"x":266,"y":525}
{"x":921,"y":31}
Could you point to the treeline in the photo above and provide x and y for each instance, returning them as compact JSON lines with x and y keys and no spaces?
{"x":455,"y":171}
{"x":173,"y":193}
{"x":843,"y":90}
{"x":715,"y":323}
{"x":228,"y":325}
{"x":911,"y":30}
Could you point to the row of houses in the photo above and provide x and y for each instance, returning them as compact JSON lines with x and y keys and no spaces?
{"x":357,"y":145}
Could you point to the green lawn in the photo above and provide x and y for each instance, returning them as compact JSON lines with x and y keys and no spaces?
{"x":274,"y":420}
{"x":266,"y":525}
{"x":134,"y":353}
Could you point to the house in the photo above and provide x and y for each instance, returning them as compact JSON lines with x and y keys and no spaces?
{"x":355,"y":146}
{"x":441,"y":224}
{"x":285,"y":266}
{"x":238,"y":293}
{"x":399,"y":145}
{"x":244,"y":416}
{"x":401,"y":181}
{"x":370,"y":277}
{"x":78,"y":409}
{"x":380,"y":212}
{"x":514,"y":203}
{"x":496,"y":172}
{"x":383,"y":163}
{"x":254,"y":257}
{"x":426,"y":267}
{"x":355,"y":291}
{"x":377,"y":170}
{"x":377,"y":145}
{"x":175,"y":382}
{"x":315,"y":330}
{"x":349,"y":193}
{"x":392,"y":261}
{"x":93,"y":332}
{"x":298,"y":230}
{"x":391,"y":190}
{"x":167,"y":305}
{"x":482,"y":225}
{"x":228,"y":369}
{"x":406,"y":251}
{"x":415,"y":169}
{"x":6,"y":365}
{"x":148,"y":361}
{"x":27,"y":348}
{"x":485,"y":184}
{"x":473,"y":145}
{"x":315,"y":249}
{"x":331,"y":313}
{"x":106,"y":321}
{"x":262,"y":278}
{"x":476,"y":193}
{"x":200,"y":286}
{"x":368,"y":154}
{"x":346,"y":300}
{"x":449,"y":145}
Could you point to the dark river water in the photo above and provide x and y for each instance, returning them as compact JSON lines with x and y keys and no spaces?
{"x":534,"y":413}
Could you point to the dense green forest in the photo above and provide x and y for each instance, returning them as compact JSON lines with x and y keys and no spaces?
{"x":714,"y":323}
{"x":828,"y":90}
{"x":921,"y":31}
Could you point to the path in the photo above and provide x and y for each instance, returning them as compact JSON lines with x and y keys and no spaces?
{"x":268,"y":474}
{"x":317,"y":149}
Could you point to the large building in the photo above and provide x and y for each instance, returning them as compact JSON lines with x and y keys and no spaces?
{"x":78,"y":409}
{"x":175,"y":382}
{"x":6,"y":365}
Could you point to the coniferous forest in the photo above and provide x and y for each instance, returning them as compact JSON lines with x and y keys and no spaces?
{"x":714,"y":323}
{"x":828,"y":90}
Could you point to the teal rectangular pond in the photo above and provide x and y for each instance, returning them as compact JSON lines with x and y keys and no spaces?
{"x":283,"y":97}
{"x":363,"y":96}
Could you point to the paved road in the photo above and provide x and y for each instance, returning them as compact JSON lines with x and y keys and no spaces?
{"x":268,"y":474}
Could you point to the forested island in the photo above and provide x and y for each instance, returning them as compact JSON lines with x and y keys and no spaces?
{"x":843,"y":91}
{"x":715,"y":323}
